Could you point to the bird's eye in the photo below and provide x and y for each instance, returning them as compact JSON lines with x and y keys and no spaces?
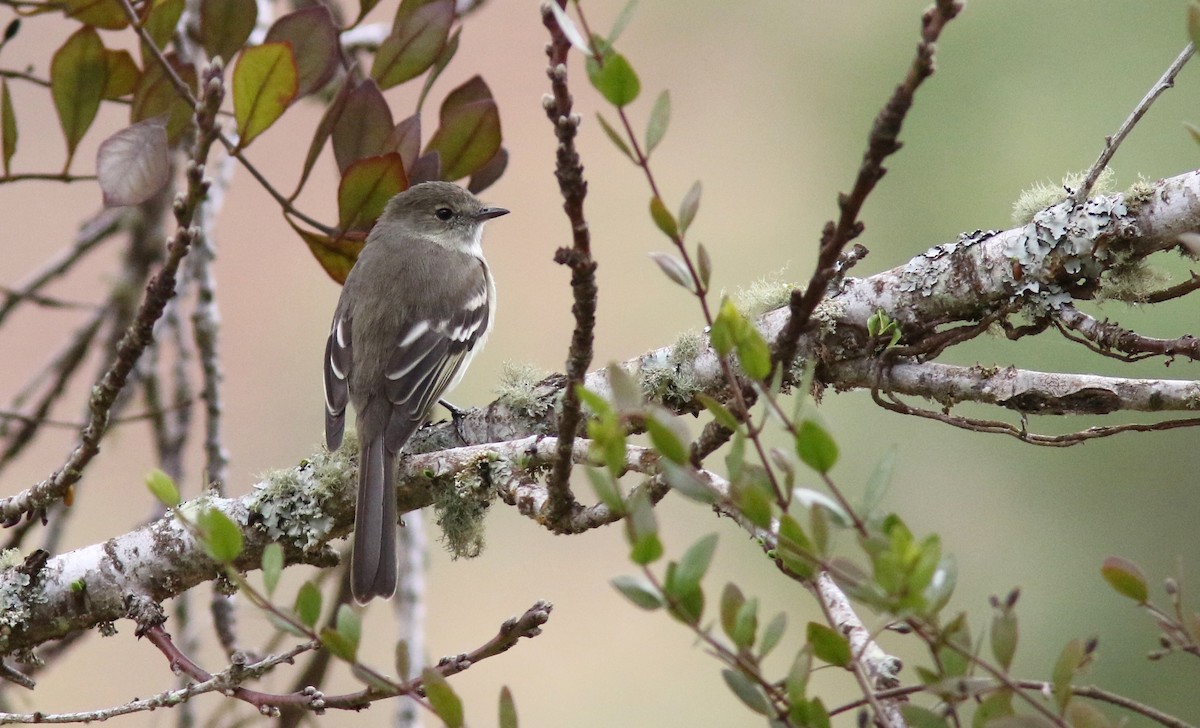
{"x":444,"y":213}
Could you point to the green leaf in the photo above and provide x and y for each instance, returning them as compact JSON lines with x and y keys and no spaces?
{"x":615,"y":137}
{"x":446,"y":704}
{"x":754,"y":504}
{"x":448,"y":52}
{"x":995,"y":705}
{"x":225,"y":25}
{"x":615,"y":79}
{"x":795,"y":549}
{"x":272,"y":566}
{"x":719,"y":412}
{"x":641,"y":528}
{"x":1193,"y":23}
{"x":265,"y":82}
{"x":796,"y":682}
{"x":123,"y":74}
{"x":162,"y":487}
{"x":105,"y":14}
{"x":815,"y":447}
{"x":660,"y":118}
{"x":638,"y":590}
{"x":598,"y":405}
{"x":1126,"y":578}
{"x":695,"y":562}
{"x":1083,"y":715}
{"x":753,"y":353}
{"x":685,"y":602}
{"x":682,"y":478}
{"x":8,"y":127}
{"x":605,"y":486}
{"x":666,"y":436}
{"x":731,"y":603}
{"x":622,"y":20}
{"x":349,"y":626}
{"x":508,"y":709}
{"x":339,"y":647}
{"x":918,"y":717}
{"x":308,"y":604}
{"x":469,"y":132}
{"x":160,"y":25}
{"x":664,"y":220}
{"x":746,"y":691}
{"x":745,"y":625}
{"x":413,"y":45}
{"x":673,"y":268}
{"x":314,"y":39}
{"x":703,"y":265}
{"x":828,"y":645}
{"x":222,"y":537}
{"x":489,"y":173}
{"x":78,"y":75}
{"x":879,"y":481}
{"x":689,"y":207}
{"x":724,"y":329}
{"x":772,"y":634}
{"x":1004,"y":637}
{"x":365,"y":189}
{"x":1070,"y":660}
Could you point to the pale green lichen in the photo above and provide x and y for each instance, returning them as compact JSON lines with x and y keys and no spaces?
{"x":1139,"y":193}
{"x":765,"y":294}
{"x":671,"y":379}
{"x":1043,"y":194}
{"x":1131,"y":282}
{"x":461,"y":503}
{"x":10,"y":558}
{"x":15,"y":604}
{"x":291,"y":503}
{"x":518,"y":389}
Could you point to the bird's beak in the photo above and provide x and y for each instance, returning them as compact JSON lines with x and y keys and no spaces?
{"x":487,"y":213}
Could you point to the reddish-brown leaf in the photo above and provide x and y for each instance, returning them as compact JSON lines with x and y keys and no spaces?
{"x":363,"y":127}
{"x":406,"y":139}
{"x":415,"y":43}
{"x":469,"y":133}
{"x":314,"y":39}
{"x":335,"y":255}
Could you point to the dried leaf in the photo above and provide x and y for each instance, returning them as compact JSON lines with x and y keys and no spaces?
{"x":133,"y":164}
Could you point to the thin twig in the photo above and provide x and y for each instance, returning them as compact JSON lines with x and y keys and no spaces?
{"x":881,"y":144}
{"x":569,"y":172}
{"x":1166,"y":81}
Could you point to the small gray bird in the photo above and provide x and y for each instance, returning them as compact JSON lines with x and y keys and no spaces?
{"x":416,"y":307}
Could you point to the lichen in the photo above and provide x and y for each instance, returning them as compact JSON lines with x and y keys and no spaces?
{"x":291,"y":503}
{"x":462,"y":503}
{"x":10,"y":558}
{"x":15,"y":604}
{"x":670,"y":377}
{"x":765,"y":294}
{"x":1043,"y":194}
{"x":518,"y":389}
{"x":1130,"y":282}
{"x":1139,"y":193}
{"x":923,"y":273}
{"x":1064,"y":243}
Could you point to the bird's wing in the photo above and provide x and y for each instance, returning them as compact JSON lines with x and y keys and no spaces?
{"x":429,"y":353}
{"x":338,"y":356}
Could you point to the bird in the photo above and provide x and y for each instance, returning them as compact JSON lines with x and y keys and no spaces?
{"x":416,"y":307}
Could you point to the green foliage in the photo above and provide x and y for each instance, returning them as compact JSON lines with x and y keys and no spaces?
{"x":272,"y":566}
{"x":221,"y":537}
{"x":815,"y":446}
{"x":828,"y":645}
{"x":1126,"y":578}
{"x":162,"y":487}
{"x":446,"y":703}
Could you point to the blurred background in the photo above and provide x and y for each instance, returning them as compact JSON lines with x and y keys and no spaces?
{"x":771,"y":103}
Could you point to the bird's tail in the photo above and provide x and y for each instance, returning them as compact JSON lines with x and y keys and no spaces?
{"x":373,"y":563}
